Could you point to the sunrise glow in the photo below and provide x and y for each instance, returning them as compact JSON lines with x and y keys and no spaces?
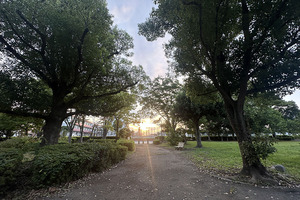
{"x":145,"y":127}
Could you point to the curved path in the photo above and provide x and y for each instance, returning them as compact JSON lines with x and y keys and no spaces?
{"x":158,"y":173}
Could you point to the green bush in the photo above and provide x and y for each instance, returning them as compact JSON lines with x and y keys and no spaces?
{"x":61,"y":163}
{"x":160,"y":138}
{"x":128,"y":143}
{"x":156,"y":142}
{"x":22,"y":143}
{"x":173,"y":138}
{"x":102,"y":140}
{"x":10,"y":161}
{"x":285,"y":137}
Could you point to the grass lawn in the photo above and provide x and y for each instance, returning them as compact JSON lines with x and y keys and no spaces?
{"x":225,"y":156}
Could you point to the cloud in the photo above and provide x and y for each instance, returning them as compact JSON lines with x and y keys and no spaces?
{"x":151,"y":56}
{"x":122,"y":14}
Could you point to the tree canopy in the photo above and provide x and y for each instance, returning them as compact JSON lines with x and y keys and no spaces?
{"x":243,"y":47}
{"x":160,"y":98}
{"x":59,"y":55}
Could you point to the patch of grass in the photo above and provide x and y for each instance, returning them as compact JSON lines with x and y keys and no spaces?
{"x":226,"y":157}
{"x":288,"y":155}
{"x":221,"y":156}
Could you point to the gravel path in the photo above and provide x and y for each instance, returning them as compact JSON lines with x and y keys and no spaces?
{"x":154,"y":172}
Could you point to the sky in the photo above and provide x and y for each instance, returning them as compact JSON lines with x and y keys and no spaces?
{"x":127,"y":14}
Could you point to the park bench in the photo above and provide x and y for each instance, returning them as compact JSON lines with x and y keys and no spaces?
{"x":180,"y":146}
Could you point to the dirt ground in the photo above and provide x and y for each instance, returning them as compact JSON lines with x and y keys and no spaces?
{"x":154,"y":172}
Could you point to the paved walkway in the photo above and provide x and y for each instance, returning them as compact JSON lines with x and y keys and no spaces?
{"x":157,"y":173}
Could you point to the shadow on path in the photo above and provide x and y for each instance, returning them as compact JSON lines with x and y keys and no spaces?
{"x":155,"y":173}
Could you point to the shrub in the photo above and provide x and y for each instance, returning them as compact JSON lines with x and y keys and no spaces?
{"x":10,"y":160}
{"x":156,"y":142}
{"x":285,"y":137}
{"x":173,"y":138}
{"x":22,"y":143}
{"x":160,"y":138}
{"x":61,"y":163}
{"x":111,"y":141}
{"x":128,"y":143}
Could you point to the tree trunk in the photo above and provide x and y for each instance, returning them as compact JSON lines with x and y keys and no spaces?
{"x":251,"y":162}
{"x":82,"y":128}
{"x":52,"y":127}
{"x":70,"y":135}
{"x":197,"y":133}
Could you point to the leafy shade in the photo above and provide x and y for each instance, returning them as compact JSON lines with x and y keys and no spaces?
{"x":243,"y":47}
{"x":60,"y":55}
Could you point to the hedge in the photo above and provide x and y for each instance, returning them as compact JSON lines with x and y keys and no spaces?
{"x":10,"y":161}
{"x":22,"y":143}
{"x":156,"y":142}
{"x":128,"y":143}
{"x":61,"y":163}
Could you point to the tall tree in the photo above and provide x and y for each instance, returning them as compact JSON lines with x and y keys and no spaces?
{"x":160,"y":98}
{"x":60,"y":55}
{"x":243,"y":47}
{"x":189,"y":110}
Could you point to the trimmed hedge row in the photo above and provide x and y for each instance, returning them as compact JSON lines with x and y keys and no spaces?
{"x":61,"y":163}
{"x":128,"y":143}
{"x":76,"y":139}
{"x":53,"y":164}
{"x":10,"y":161}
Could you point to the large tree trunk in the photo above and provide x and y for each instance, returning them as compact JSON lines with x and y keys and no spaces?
{"x":251,"y":162}
{"x":52,"y":127}
{"x":197,"y":133}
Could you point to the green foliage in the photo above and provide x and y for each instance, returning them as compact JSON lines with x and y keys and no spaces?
{"x":173,"y":138}
{"x":156,"y":142}
{"x":125,"y":133}
{"x":261,"y":146}
{"x":102,"y":140}
{"x":82,"y":61}
{"x":10,"y":161}
{"x":9,"y":124}
{"x":242,"y":47}
{"x":160,"y":98}
{"x":60,"y":163}
{"x":128,"y":143}
{"x":264,"y":146}
{"x":225,"y":156}
{"x":160,"y":138}
{"x":23,"y":143}
{"x":285,"y":137}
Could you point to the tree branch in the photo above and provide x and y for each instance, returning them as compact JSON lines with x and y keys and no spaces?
{"x":16,"y":113}
{"x":278,"y":85}
{"x":23,"y":60}
{"x":82,"y":98}
{"x":80,"y":57}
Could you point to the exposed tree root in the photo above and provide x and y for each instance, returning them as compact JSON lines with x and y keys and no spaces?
{"x":265,"y":179}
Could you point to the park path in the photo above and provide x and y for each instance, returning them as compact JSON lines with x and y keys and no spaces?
{"x":154,"y":172}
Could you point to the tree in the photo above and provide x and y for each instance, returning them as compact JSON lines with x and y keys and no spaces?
{"x":62,"y":55}
{"x":160,"y":98}
{"x":71,"y":122}
{"x":107,"y":126}
{"x":243,"y":47}
{"x":125,"y":133}
{"x":10,"y":125}
{"x":81,"y":122}
{"x":187,"y":110}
